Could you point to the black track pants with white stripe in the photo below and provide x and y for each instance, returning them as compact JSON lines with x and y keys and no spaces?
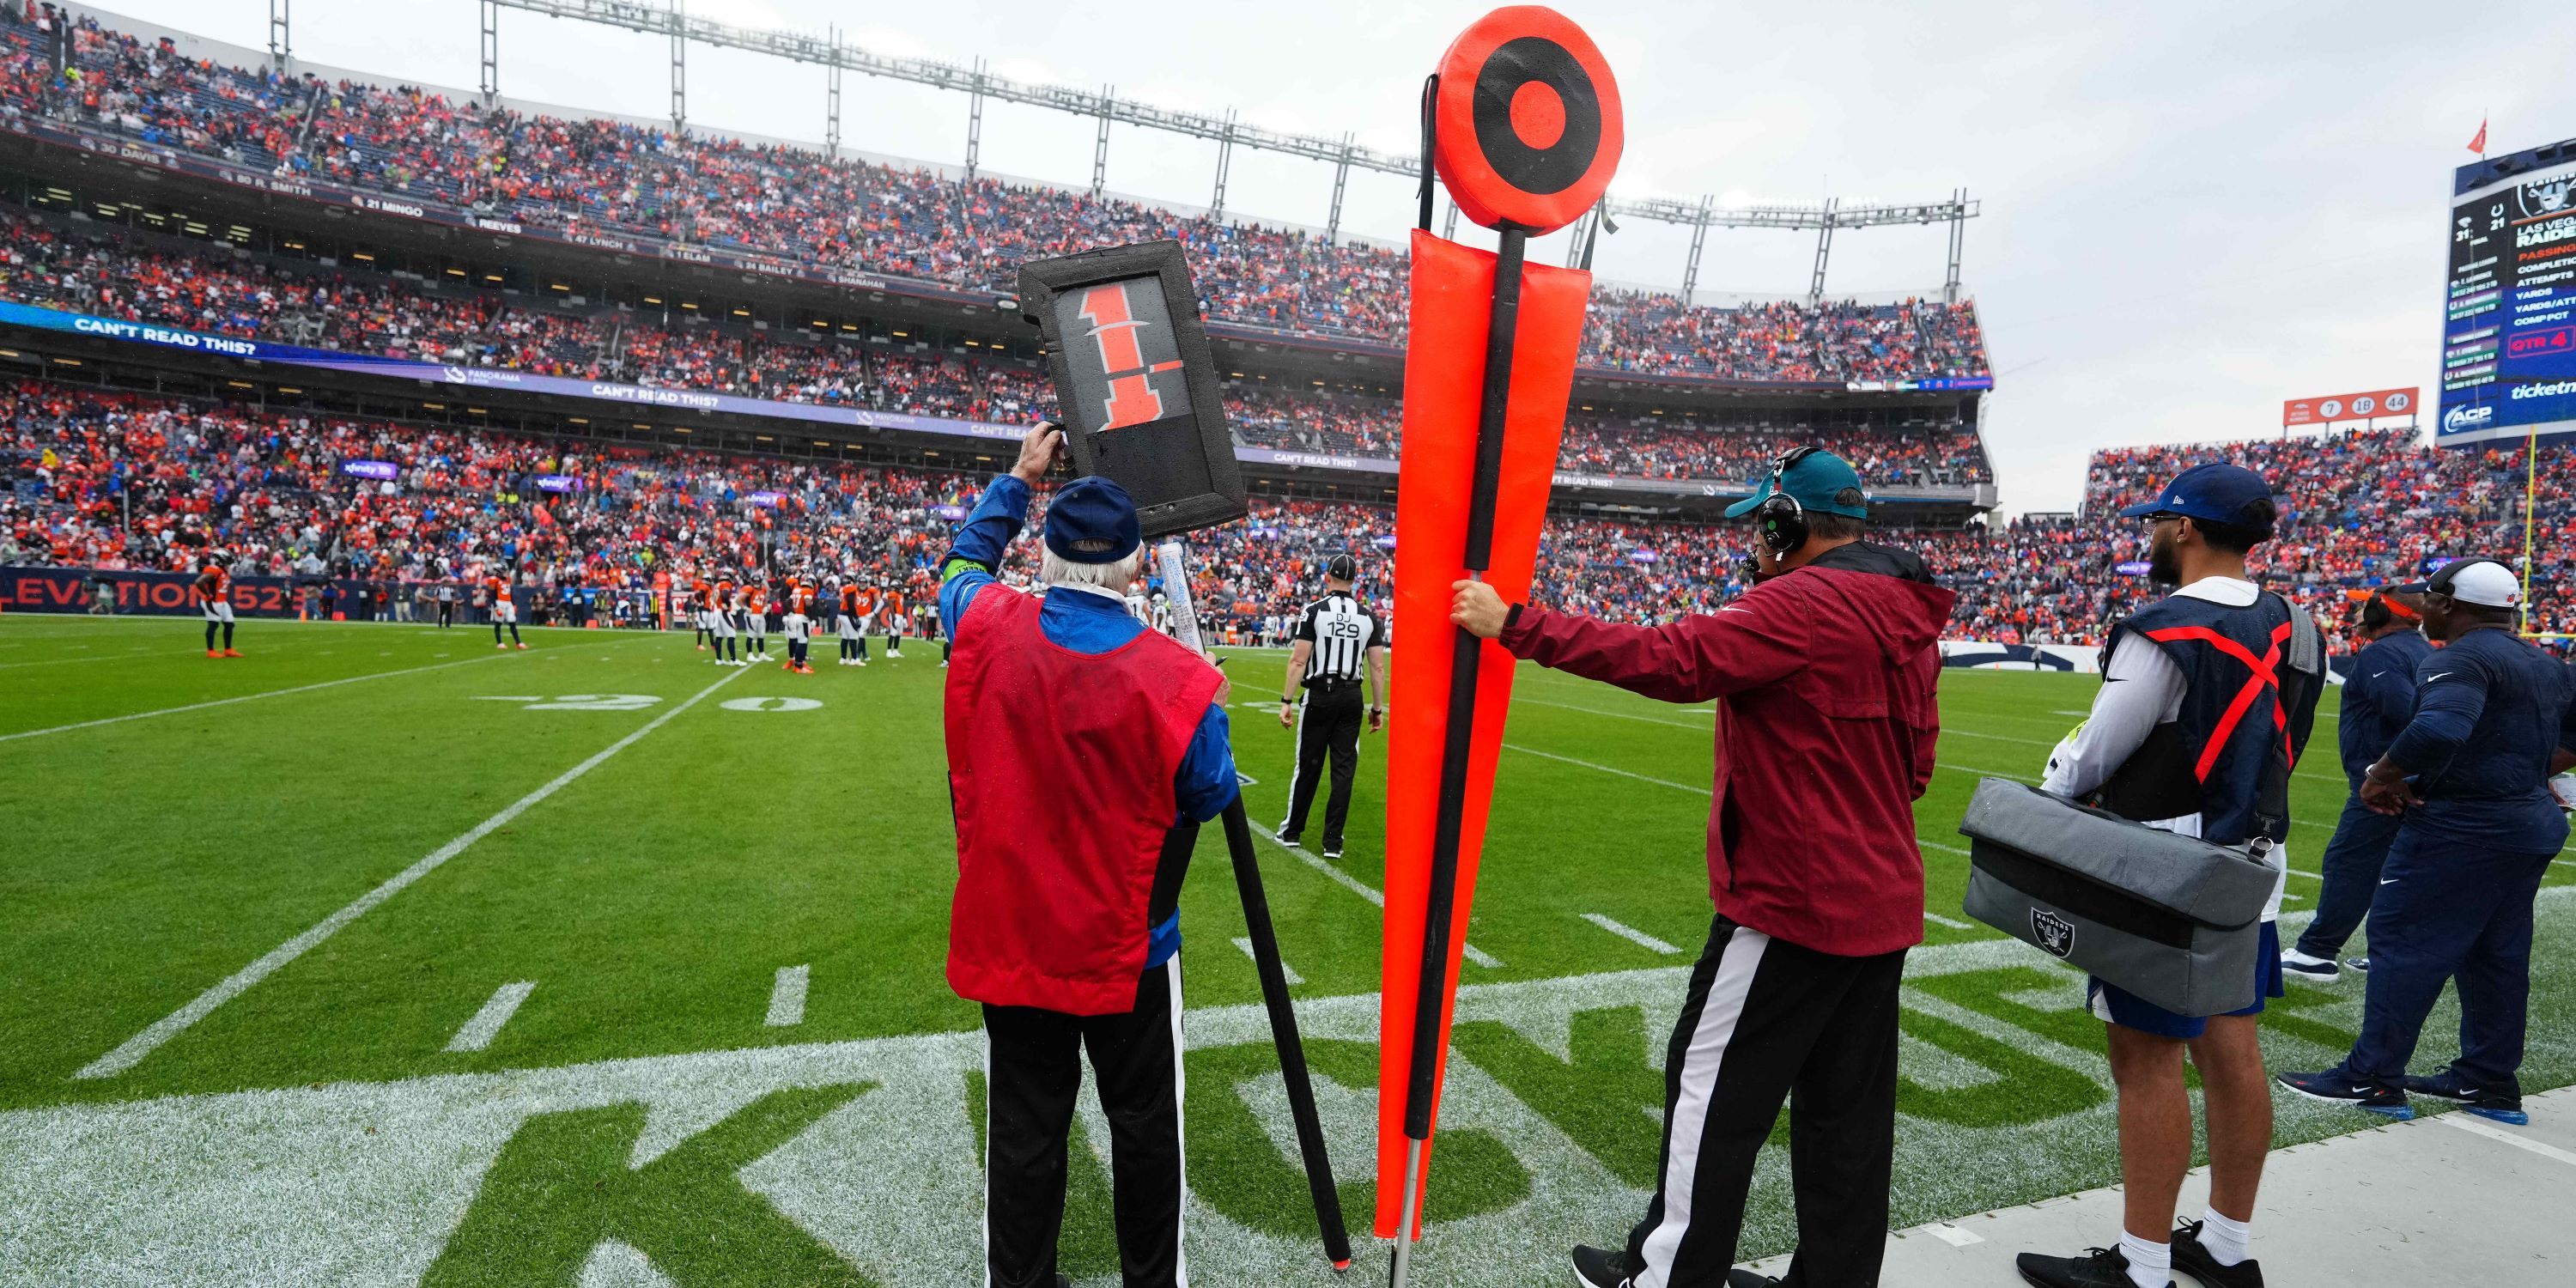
{"x":1766,"y":1020}
{"x":1031,"y":1077}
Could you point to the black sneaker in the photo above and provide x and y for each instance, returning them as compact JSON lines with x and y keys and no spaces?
{"x":1333,"y":852}
{"x":2194,"y":1260}
{"x":2097,"y":1268}
{"x":2320,"y":969}
{"x":2502,"y":1103}
{"x":1288,"y":839}
{"x":2361,"y":964}
{"x":1596,"y":1268}
{"x":2360,"y":1093}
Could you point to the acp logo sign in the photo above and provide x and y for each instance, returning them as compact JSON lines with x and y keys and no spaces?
{"x":2467,"y":417}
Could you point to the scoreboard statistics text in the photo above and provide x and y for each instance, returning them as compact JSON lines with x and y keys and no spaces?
{"x":2509,"y":323}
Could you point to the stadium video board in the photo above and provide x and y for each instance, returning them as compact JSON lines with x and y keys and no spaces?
{"x":2509,"y":324}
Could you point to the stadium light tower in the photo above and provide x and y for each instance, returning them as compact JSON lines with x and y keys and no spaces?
{"x":1100,"y":150}
{"x":832,"y":97}
{"x":1224,"y":158}
{"x":281,"y":48}
{"x":679,"y":66}
{"x":1344,"y":153}
{"x":490,"y":14}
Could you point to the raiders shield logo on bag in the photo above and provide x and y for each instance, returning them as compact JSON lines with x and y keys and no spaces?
{"x":2056,"y":935}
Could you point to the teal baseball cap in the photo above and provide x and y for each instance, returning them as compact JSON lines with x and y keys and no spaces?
{"x":1817,"y":480}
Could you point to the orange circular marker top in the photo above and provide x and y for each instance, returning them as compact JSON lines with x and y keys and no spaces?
{"x":1538,"y":114}
{"x":1528,"y":122}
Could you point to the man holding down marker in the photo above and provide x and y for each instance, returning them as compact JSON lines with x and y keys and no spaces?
{"x":1824,"y":675}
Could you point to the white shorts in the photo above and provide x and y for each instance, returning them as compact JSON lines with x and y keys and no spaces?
{"x":218,"y":611}
{"x":723,"y":625}
{"x":756,"y":623}
{"x":505,"y":611}
{"x":848,"y":628}
{"x":797,"y":632}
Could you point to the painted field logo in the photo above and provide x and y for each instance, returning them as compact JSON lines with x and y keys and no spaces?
{"x":2056,"y":935}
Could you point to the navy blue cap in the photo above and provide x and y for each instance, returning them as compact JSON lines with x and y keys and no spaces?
{"x":2213,"y":492}
{"x":1092,"y":521}
{"x":1816,"y":480}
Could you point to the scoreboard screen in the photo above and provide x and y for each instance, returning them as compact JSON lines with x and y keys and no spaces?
{"x":2509,"y":321}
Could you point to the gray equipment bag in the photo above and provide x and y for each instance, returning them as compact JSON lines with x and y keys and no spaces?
{"x":2173,"y":919}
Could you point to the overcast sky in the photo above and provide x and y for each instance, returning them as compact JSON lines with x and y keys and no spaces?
{"x":2192,"y":211}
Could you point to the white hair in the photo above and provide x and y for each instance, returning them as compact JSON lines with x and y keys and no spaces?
{"x":1112,"y":576}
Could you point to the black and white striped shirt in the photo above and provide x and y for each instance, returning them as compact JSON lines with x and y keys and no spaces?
{"x":1342,"y":632}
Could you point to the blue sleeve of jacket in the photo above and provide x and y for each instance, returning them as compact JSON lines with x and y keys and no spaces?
{"x":2450,"y":694}
{"x":1206,"y":783}
{"x":975,"y":556}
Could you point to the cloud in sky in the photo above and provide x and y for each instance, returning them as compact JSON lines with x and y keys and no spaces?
{"x":2193,"y":211}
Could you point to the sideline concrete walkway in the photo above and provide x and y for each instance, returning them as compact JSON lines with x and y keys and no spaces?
{"x":2445,"y":1200}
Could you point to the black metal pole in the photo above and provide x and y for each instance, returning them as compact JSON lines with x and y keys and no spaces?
{"x":1502,"y":326}
{"x":1283,"y":1033}
{"x":1174,"y":561}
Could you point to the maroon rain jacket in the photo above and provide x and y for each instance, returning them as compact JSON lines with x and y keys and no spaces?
{"x":1826,"y":718}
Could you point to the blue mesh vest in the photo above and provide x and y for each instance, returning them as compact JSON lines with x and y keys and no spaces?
{"x":2244,"y":721}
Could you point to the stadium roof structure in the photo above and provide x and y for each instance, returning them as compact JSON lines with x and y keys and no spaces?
{"x":1227,"y":132}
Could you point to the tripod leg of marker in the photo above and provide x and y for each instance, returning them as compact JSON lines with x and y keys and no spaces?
{"x":1283,"y":1033}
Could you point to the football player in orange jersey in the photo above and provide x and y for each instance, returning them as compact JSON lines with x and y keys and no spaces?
{"x":894,"y":622}
{"x":214,"y":590}
{"x":720,"y":616}
{"x":853,"y":644}
{"x":755,"y":617}
{"x":869,"y":601}
{"x":504,"y":613}
{"x":800,"y":599}
{"x":706,"y":630}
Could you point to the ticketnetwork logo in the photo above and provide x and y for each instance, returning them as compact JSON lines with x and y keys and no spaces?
{"x":2551,"y":390}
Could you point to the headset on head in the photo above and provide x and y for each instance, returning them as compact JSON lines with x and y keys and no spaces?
{"x":1780,"y":519}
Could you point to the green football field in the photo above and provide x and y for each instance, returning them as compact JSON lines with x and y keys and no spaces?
{"x":379,"y":956}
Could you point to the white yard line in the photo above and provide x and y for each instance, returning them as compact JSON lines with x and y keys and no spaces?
{"x":1941,"y":845}
{"x":1947,"y":730}
{"x":2477,"y":1126}
{"x":58,"y":661}
{"x":1586,"y":764}
{"x":248,"y":697}
{"x":1985,"y":773}
{"x":1952,"y":922}
{"x":1286,"y":971}
{"x":133,"y":1049}
{"x":1356,"y":886}
{"x":1631,"y":934}
{"x":1518,"y":700}
{"x":486,"y":1024}
{"x":787,"y":997}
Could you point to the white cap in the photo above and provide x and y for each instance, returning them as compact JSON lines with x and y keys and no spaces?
{"x":2482,"y":582}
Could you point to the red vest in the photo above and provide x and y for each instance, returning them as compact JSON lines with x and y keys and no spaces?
{"x":1052,"y":882}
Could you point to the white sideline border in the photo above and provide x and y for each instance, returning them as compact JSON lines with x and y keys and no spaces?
{"x":131,"y":1051}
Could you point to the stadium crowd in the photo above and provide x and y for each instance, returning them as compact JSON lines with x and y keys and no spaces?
{"x":113,"y":274}
{"x":128,"y":481}
{"x":787,"y":203}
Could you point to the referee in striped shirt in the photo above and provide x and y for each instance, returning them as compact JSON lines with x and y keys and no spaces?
{"x":1335,"y":637}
